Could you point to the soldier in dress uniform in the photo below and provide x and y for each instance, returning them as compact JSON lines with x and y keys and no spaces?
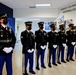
{"x":62,"y":43}
{"x":28,"y":42}
{"x":52,"y":41}
{"x":41,"y":41}
{"x":71,"y":39}
{"x":7,"y":43}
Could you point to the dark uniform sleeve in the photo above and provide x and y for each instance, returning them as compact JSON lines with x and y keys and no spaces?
{"x":74,"y":37}
{"x":22,"y":38}
{"x":36,"y":37}
{"x":65,"y":38}
{"x":24,"y":43}
{"x":70,"y":37}
{"x":59,"y":38}
{"x":48,"y":38}
{"x":13,"y":39}
{"x":67,"y":35}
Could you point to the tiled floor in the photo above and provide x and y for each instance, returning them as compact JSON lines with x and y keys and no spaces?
{"x":64,"y":69}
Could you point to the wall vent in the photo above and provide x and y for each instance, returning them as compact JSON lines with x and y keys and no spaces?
{"x":69,"y":8}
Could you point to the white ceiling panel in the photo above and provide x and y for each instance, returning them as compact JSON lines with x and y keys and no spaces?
{"x":27,"y":3}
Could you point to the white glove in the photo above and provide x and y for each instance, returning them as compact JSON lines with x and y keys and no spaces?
{"x":11,"y":48}
{"x":64,"y":45}
{"x":32,"y":50}
{"x":29,"y":51}
{"x":43,"y":47}
{"x":73,"y":43}
{"x":54,"y":46}
{"x":7,"y":49}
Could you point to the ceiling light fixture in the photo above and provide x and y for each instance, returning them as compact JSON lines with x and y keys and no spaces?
{"x":34,"y":19}
{"x":42,"y":4}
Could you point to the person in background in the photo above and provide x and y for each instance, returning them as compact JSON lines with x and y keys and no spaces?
{"x":41,"y":42}
{"x":71,"y":39}
{"x":7,"y":43}
{"x":62,"y":43}
{"x":28,"y":43}
{"x":52,"y":45}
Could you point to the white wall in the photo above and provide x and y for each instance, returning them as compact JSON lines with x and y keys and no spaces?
{"x":70,"y":15}
{"x":34,"y":26}
{"x":35,"y":12}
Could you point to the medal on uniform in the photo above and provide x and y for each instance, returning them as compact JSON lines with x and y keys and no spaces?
{"x":10,"y":30}
{"x":44,"y":33}
{"x":6,"y":28}
{"x":1,"y":30}
{"x":62,"y":37}
{"x":1,"y":35}
{"x":55,"y":34}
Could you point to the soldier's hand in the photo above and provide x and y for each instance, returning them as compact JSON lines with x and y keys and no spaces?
{"x":64,"y":45}
{"x":28,"y":51}
{"x":32,"y":50}
{"x":73,"y":43}
{"x":54,"y":46}
{"x":7,"y":49}
{"x":43,"y":47}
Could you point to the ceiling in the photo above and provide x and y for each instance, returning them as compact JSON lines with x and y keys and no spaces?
{"x":26,"y":3}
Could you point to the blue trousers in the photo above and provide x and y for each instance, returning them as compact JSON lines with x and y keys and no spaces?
{"x":40,"y":53}
{"x":29,"y":56}
{"x":70,"y":52}
{"x":8,"y":59}
{"x":53,"y":54}
{"x":61,"y":51}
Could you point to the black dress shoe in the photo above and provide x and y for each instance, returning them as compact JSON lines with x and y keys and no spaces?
{"x":26,"y":74}
{"x":49,"y":65}
{"x":55,"y":64}
{"x":59,"y":62}
{"x":72,"y":59}
{"x":67,"y":60}
{"x":32,"y":72}
{"x":37,"y":68}
{"x":63,"y":61}
{"x":43,"y":67}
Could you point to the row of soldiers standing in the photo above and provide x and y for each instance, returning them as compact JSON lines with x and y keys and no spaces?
{"x":54,"y":40}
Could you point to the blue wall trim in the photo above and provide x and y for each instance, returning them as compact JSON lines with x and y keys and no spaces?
{"x":5,"y":9}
